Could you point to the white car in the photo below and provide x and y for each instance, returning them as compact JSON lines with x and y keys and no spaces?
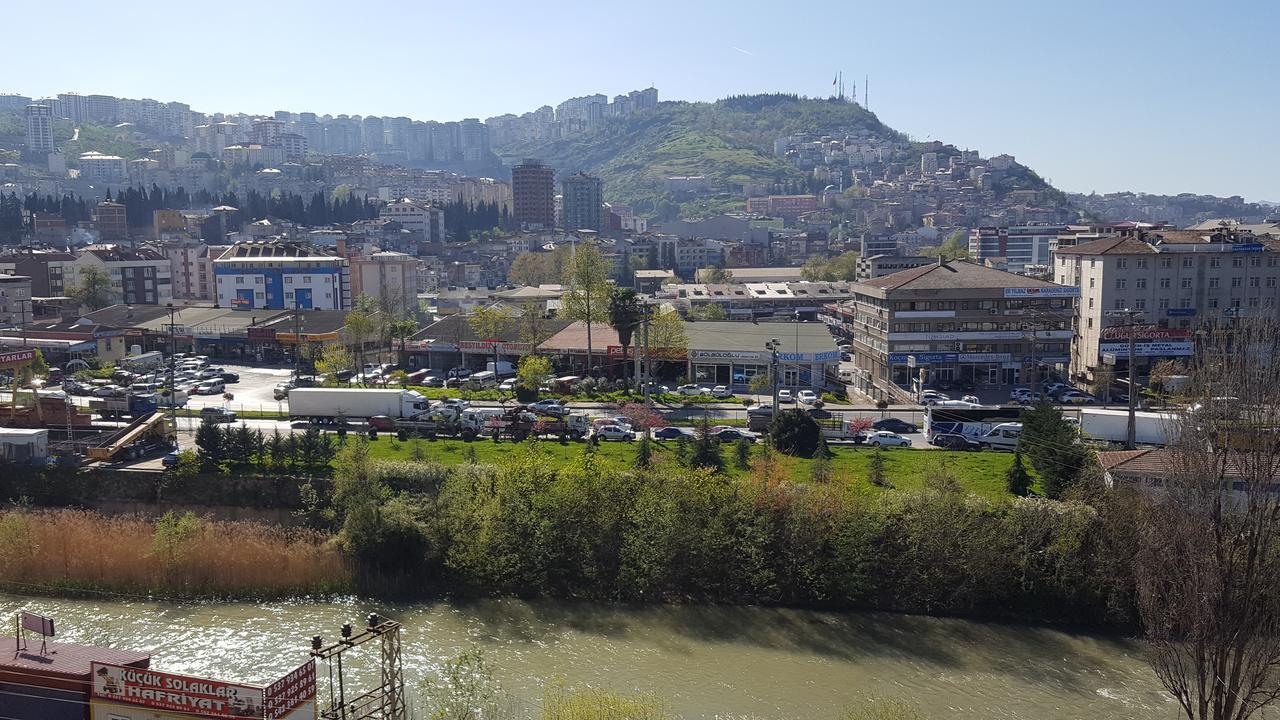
{"x":808,"y":397}
{"x":692,"y":390}
{"x":107,"y":391}
{"x":884,"y":438}
{"x":929,"y":397}
{"x":721,"y":391}
{"x":614,"y":432}
{"x":785,"y":396}
{"x":508,"y":385}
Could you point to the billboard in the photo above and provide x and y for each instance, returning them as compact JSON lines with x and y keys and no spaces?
{"x":1042,"y":292}
{"x":1176,"y":348}
{"x":1144,"y":332}
{"x":176,"y":693}
{"x":293,"y":697}
{"x":17,"y":357}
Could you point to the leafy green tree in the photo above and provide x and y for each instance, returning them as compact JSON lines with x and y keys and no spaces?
{"x":625,"y":314}
{"x":644,"y":452}
{"x":334,"y":361}
{"x":362,"y":326}
{"x":708,"y":312}
{"x":531,"y":324}
{"x":586,"y":297}
{"x":666,"y":333}
{"x":1016,"y":477}
{"x":488,"y":323}
{"x":955,"y":247}
{"x":175,"y":536}
{"x":93,"y":290}
{"x":843,"y":267}
{"x":875,"y":469}
{"x":1052,"y":446}
{"x":715,"y":275}
{"x":742,"y":454}
{"x":794,"y":433}
{"x":533,"y":372}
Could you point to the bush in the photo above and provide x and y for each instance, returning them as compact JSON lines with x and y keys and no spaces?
{"x":794,"y":433}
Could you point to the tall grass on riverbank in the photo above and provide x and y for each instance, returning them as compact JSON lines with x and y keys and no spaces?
{"x":172,"y":556}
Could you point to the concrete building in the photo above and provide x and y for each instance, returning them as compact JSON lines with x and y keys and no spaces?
{"x":391,"y":278}
{"x":583,"y":202}
{"x":789,"y":207}
{"x":39,"y":128}
{"x":962,"y":323}
{"x":1178,"y":279}
{"x":102,"y":168}
{"x":1023,"y":245}
{"x":15,"y":300}
{"x":111,"y":221}
{"x":533,"y":189}
{"x":138,"y":277}
{"x":880,"y":265}
{"x":191,"y":267}
{"x":281,"y":275}
{"x":424,"y":219}
{"x":46,"y":268}
{"x":729,"y":353}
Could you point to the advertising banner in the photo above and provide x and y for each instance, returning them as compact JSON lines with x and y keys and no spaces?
{"x":1144,"y":332}
{"x":293,"y":697}
{"x":1147,"y":349}
{"x":17,"y":357}
{"x":1039,"y":292}
{"x":177,"y":693}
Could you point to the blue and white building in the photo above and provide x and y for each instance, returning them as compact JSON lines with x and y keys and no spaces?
{"x":274,"y":275}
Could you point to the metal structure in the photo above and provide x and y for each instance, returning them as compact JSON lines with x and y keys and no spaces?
{"x":384,"y":702}
{"x":1131,"y":316}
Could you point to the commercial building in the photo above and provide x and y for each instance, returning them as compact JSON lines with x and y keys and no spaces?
{"x":953,"y":322}
{"x":880,"y":265}
{"x":729,"y":353}
{"x":1022,"y":245}
{"x":191,"y":267}
{"x":53,"y":680}
{"x":533,"y":190}
{"x":1175,"y":279}
{"x":138,"y":277}
{"x":789,"y":207}
{"x":756,"y":301}
{"x":583,"y":201}
{"x":39,"y":128}
{"x":280,"y":275}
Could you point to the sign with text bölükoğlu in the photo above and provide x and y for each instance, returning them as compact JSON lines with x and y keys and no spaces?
{"x":166,"y":691}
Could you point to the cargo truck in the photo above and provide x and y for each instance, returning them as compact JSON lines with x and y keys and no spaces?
{"x":327,"y":404}
{"x":1150,"y":428}
{"x":131,"y":405}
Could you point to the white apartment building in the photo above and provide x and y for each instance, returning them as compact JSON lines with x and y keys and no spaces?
{"x":39,"y":128}
{"x":391,"y":278}
{"x":1022,"y":245}
{"x":15,"y":299}
{"x":99,"y":167}
{"x":416,"y":217}
{"x":280,"y":276}
{"x":191,"y":267}
{"x":138,"y":277}
{"x":1178,"y":279}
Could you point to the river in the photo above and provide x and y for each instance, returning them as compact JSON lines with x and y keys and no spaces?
{"x":706,"y":662}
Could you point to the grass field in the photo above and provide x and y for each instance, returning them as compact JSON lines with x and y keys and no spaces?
{"x":979,"y":472}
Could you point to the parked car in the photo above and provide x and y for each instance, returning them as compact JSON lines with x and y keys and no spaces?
{"x":211,"y":387}
{"x":549,"y":407}
{"x":170,"y":459}
{"x":433,"y":381}
{"x":1020,"y":395}
{"x":761,"y":410}
{"x":217,"y":415}
{"x":1075,"y":397}
{"x":692,"y":390}
{"x":230,"y":377}
{"x":382,"y":422}
{"x":955,"y":441}
{"x":106,"y":391}
{"x":785,"y":396}
{"x":895,"y":425}
{"x":458,"y":373}
{"x":668,"y":433}
{"x":884,"y":438}
{"x":721,"y":391}
{"x":615,"y":432}
{"x":929,"y":397}
{"x":808,"y":397}
{"x":732,"y":435}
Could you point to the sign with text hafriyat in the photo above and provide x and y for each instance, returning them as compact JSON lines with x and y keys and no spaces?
{"x":180,"y":693}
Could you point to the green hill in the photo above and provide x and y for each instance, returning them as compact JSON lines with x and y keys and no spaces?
{"x":729,"y":141}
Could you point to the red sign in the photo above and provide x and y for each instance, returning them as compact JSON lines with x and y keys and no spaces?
{"x":1144,"y":332}
{"x":616,"y":351}
{"x":291,"y":691}
{"x":261,"y":334}
{"x":17,"y":357}
{"x":180,"y":693}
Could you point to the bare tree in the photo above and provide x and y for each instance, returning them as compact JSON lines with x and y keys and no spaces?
{"x":1208,"y":563}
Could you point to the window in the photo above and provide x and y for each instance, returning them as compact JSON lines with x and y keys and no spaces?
{"x":1120,"y":283}
{"x":1140,"y":304}
{"x":1237,"y":262}
{"x":1255,"y":282}
{"x":1091,"y":282}
{"x":1165,"y":283}
{"x":1186,"y":283}
{"x":1271,"y":282}
{"x":1120,"y":303}
{"x":1255,"y":262}
{"x":1164,"y":303}
{"x":1215,"y":262}
{"x":1122,"y":263}
{"x":1236,"y":282}
{"x":1186,"y":262}
{"x":1213,"y":282}
{"x":1213,"y":302}
{"x":1185,"y":303}
{"x":1142,"y":264}
{"x":1141,"y":284}
{"x":1089,"y":322}
{"x":1166,"y":263}
{"x":1253,"y":302}
{"x":1090,"y":303}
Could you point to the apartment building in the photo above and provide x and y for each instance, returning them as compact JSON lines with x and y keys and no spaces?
{"x":583,"y":200}
{"x":954,"y":322}
{"x":880,"y":265}
{"x":1022,"y":245}
{"x":1177,"y":279}
{"x":46,"y":268}
{"x":138,"y":277}
{"x":422,"y":218}
{"x":103,"y":168}
{"x":391,"y":278}
{"x":281,"y":275}
{"x":15,"y":300}
{"x":533,"y":189}
{"x":191,"y":267}
{"x":111,"y":220}
{"x":39,"y":128}
{"x":789,"y":207}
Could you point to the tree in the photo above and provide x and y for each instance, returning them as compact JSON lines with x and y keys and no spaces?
{"x":875,"y":468}
{"x":955,"y":247}
{"x":644,"y":452}
{"x":625,"y":315}
{"x":706,"y":447}
{"x":1207,"y":568}
{"x":666,"y":333}
{"x":794,"y":432}
{"x":402,"y":330}
{"x":1103,"y":377}
{"x":716,"y":275}
{"x":760,"y":384}
{"x":843,"y":267}
{"x":532,"y":269}
{"x":532,"y":326}
{"x":361,"y":326}
{"x":534,"y":372}
{"x":742,"y":454}
{"x":1016,"y":477}
{"x":1053,"y":447}
{"x":94,"y":290}
{"x":586,"y":296}
{"x":708,"y":312}
{"x":642,"y":417}
{"x":334,"y":360}
{"x":488,"y":323}
{"x":210,"y":443}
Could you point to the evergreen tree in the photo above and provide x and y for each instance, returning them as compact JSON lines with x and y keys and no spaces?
{"x":210,"y":446}
{"x":706,"y":448}
{"x":875,"y":468}
{"x":1016,"y":477}
{"x":1052,"y":446}
{"x":644,"y":452}
{"x":742,"y":454}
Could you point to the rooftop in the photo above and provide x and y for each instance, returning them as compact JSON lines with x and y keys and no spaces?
{"x":802,"y":337}
{"x":64,"y":659}
{"x":953,"y":275}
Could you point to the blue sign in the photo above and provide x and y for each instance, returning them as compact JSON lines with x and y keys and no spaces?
{"x":1180,"y":312}
{"x":924,"y":358}
{"x":1248,"y":247}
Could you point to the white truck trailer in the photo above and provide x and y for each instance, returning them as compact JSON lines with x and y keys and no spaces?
{"x":321,"y":404}
{"x":1150,"y":428}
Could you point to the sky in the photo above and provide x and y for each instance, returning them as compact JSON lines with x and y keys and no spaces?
{"x":1151,"y":96}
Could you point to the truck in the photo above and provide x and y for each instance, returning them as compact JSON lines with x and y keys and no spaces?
{"x":1150,"y":428}
{"x":327,"y":404}
{"x":502,"y":368}
{"x":131,"y":405}
{"x":141,"y":362}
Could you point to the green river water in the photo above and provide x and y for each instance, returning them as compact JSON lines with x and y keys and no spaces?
{"x":705,"y":661}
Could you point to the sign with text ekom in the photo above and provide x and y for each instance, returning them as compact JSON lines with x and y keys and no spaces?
{"x":181,"y":693}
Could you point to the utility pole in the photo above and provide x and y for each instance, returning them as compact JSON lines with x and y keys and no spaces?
{"x":1131,"y":326}
{"x":772,"y":347}
{"x":173,"y":391}
{"x":297,"y":339}
{"x":385,"y":702}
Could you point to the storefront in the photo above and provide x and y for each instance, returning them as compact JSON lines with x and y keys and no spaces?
{"x":726,"y":367}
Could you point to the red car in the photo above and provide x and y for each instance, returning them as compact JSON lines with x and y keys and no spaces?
{"x":382,"y":423}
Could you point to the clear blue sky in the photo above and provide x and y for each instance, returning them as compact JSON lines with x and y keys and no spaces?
{"x":1141,"y":95}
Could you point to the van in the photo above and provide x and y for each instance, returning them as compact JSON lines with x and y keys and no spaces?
{"x":211,"y":387}
{"x":485,"y":379}
{"x":502,"y":368}
{"x":1002,"y":437}
{"x":144,"y":387}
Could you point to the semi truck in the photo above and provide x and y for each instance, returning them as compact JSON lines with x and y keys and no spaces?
{"x":326,"y":404}
{"x":131,"y":405}
{"x":1150,"y":428}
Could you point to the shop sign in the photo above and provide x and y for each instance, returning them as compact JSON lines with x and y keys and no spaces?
{"x":923,"y":358}
{"x":178,"y":693}
{"x":1148,"y":349}
{"x":17,"y":357}
{"x":616,"y":351}
{"x":507,"y":348}
{"x":1144,"y":332}
{"x":261,"y":334}
{"x":1039,"y":292}
{"x":727,"y":355}
{"x":1180,"y":312}
{"x":984,"y":357}
{"x":293,"y":692}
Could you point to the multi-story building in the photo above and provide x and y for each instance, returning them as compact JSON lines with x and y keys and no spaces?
{"x":13,"y":101}
{"x":686,"y":255}
{"x":46,"y":268}
{"x":103,"y":168}
{"x":789,"y":207}
{"x":138,"y":277}
{"x":424,"y":219}
{"x":391,"y":278}
{"x":15,"y":300}
{"x":583,"y":199}
{"x":191,"y":267}
{"x":954,"y":322}
{"x":281,"y":275}
{"x":880,"y":265}
{"x":533,"y":190}
{"x":1174,"y":279}
{"x":1022,"y":245}
{"x":111,"y":221}
{"x":39,"y":128}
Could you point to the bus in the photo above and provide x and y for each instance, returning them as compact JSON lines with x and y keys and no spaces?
{"x":973,"y":422}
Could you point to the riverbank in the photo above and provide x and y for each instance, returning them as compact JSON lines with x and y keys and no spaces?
{"x":703,"y":662}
